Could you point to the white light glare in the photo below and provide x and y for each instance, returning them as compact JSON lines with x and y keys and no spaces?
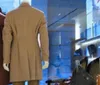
{"x":77,"y":34}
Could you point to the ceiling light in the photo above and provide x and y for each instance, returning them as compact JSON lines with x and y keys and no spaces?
{"x":59,"y":14}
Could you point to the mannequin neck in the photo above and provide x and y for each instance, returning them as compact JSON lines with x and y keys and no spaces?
{"x":25,"y":1}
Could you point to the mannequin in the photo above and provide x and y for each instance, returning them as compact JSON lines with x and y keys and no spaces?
{"x":6,"y":66}
{"x":21,"y":51}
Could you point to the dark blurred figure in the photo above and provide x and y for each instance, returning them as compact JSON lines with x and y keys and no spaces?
{"x":92,"y":50}
{"x":4,"y":79}
{"x":0,"y":10}
{"x":94,"y":68}
{"x":78,"y":52}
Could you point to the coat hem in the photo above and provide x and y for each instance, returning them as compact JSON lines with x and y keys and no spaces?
{"x":25,"y":80}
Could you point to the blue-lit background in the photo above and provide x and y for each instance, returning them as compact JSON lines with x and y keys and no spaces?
{"x":93,"y":18}
{"x":93,"y":22}
{"x":60,"y":55}
{"x":60,"y":41}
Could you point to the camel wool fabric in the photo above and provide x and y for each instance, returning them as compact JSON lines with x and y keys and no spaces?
{"x":20,"y":43}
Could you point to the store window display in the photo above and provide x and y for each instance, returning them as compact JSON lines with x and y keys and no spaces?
{"x":21,"y":52}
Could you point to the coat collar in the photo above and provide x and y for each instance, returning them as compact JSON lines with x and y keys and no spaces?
{"x":24,"y":5}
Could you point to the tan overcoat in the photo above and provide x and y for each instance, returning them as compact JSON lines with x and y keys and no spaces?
{"x":20,"y":43}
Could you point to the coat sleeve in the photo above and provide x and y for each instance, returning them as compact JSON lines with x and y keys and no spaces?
{"x":44,"y":39}
{"x":7,"y":38}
